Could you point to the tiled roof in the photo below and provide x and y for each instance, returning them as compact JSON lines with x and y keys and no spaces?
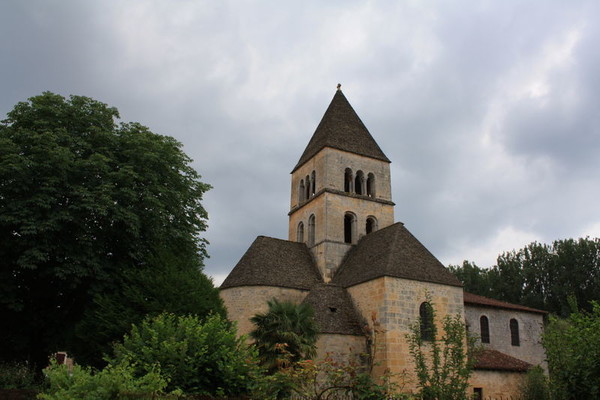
{"x":342,"y":129}
{"x":334,"y":310}
{"x":392,"y":251}
{"x":494,"y":360}
{"x":275,"y":262}
{"x":474,"y":299}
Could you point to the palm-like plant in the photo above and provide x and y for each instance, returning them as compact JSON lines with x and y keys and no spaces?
{"x":286,"y":333}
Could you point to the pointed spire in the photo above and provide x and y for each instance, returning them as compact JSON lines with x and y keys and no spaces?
{"x":341,"y":128}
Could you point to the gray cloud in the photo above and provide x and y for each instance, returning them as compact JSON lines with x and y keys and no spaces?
{"x":489,"y":111}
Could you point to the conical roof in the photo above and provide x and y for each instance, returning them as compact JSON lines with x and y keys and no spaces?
{"x":342,"y":129}
{"x":275,"y":262}
{"x":392,"y":251}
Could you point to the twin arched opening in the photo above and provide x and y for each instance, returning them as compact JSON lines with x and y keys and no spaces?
{"x":307,"y":187}
{"x":358,"y":183}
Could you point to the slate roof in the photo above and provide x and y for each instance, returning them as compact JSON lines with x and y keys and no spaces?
{"x":494,"y":360}
{"x":392,"y":251}
{"x":342,"y":129}
{"x":275,"y":262}
{"x":470,"y":298}
{"x":334,"y":310}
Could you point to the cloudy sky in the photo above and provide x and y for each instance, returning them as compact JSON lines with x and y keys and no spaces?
{"x":489,"y":110}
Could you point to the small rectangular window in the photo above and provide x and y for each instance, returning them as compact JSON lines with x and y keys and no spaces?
{"x":477,"y":393}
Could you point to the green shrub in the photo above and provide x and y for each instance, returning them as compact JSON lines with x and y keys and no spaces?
{"x":193,"y":356}
{"x":113,"y":382}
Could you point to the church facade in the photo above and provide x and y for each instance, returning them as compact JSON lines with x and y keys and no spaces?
{"x":367,"y":277}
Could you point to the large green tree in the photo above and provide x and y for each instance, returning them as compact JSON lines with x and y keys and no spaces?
{"x":85,"y":204}
{"x":540,"y":275}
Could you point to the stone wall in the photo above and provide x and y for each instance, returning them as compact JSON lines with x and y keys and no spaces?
{"x":498,"y":385}
{"x":330,"y":203}
{"x":245,"y":301}
{"x":531,"y":328}
{"x":342,"y":348}
{"x":391,"y":305}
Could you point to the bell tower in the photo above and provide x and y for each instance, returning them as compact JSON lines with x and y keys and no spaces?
{"x":341,"y":187}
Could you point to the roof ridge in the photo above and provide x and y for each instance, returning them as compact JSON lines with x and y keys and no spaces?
{"x":484,"y":301}
{"x":395,"y":239}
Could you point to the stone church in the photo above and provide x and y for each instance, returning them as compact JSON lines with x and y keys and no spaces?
{"x":367,"y":277}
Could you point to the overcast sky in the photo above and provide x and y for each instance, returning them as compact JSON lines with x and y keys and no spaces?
{"x":489,"y":110}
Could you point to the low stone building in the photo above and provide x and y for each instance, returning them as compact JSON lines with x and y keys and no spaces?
{"x":367,"y":277}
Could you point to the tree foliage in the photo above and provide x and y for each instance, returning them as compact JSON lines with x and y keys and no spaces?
{"x":444,"y":364}
{"x":573,"y":352}
{"x":84,"y":204}
{"x":540,"y":275}
{"x":193,"y":356}
{"x":287,"y":332}
{"x":181,"y":290}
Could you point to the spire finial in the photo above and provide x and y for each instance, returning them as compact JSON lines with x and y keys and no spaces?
{"x":339,"y":86}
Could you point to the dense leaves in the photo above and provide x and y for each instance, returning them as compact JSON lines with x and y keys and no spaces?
{"x":573,"y":350}
{"x":85,"y":204}
{"x":540,"y":276}
{"x":193,"y":356}
{"x":287,"y":332}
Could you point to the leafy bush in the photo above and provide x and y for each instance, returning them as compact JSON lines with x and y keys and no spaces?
{"x":444,"y":364}
{"x":194,"y":357}
{"x":19,"y":375}
{"x":112,"y":382}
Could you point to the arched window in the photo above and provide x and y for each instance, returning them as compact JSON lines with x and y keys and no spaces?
{"x":371,"y":225}
{"x":426,"y":321}
{"x":359,"y":182}
{"x":348,"y":180}
{"x":349,"y":228}
{"x":313,"y":183}
{"x":307,"y":187}
{"x":300,"y":233}
{"x":484,"y":326}
{"x":514,"y":333}
{"x":371,"y":185}
{"x":301,"y":191}
{"x":311,"y":230}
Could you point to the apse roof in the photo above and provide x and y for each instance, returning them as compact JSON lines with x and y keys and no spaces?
{"x":392,"y":251}
{"x":341,"y":128}
{"x":275,"y":262}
